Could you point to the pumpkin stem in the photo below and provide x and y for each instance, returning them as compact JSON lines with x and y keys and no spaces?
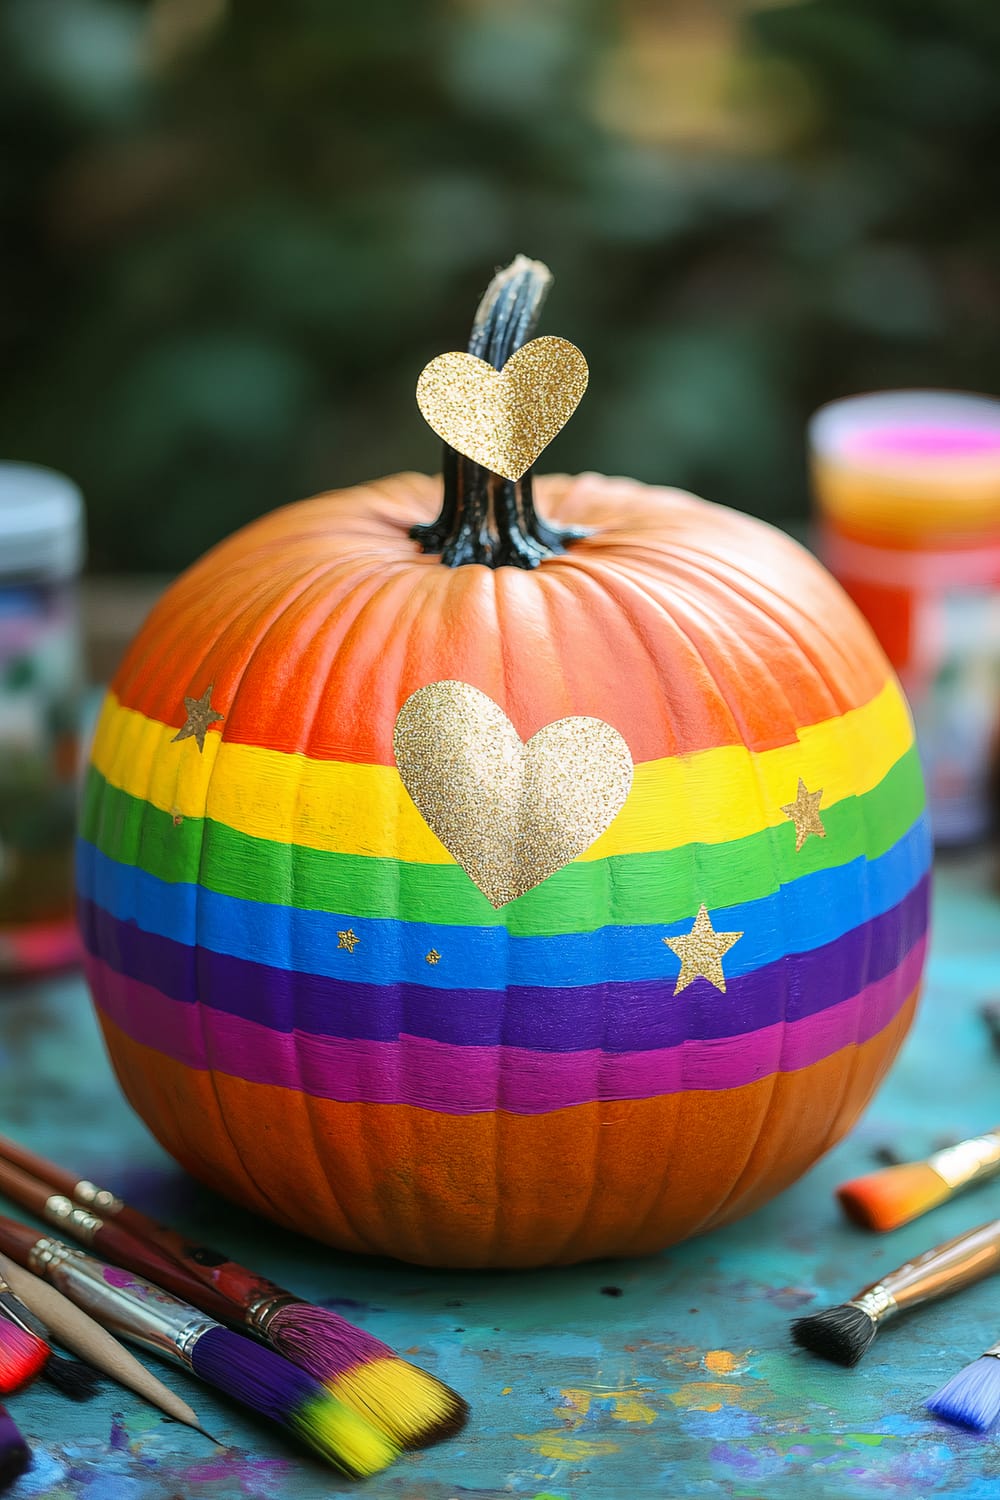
{"x":484,"y":517}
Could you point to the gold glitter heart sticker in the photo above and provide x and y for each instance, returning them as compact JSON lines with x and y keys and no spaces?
{"x":511,"y":813}
{"x":503,"y":418}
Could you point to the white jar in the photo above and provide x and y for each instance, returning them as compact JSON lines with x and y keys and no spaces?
{"x":41,"y":552}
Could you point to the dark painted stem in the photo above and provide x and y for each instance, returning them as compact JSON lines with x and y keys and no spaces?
{"x":485,"y":518}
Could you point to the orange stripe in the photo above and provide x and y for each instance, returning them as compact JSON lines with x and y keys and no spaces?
{"x":505,"y":1190}
{"x":675,"y":621}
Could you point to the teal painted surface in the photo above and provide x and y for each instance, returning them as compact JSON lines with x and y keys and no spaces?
{"x":576,"y":1394}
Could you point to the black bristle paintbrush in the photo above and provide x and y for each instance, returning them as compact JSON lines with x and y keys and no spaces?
{"x":972,"y":1397}
{"x":843,"y":1333}
{"x":273,"y":1387}
{"x":15,"y":1455}
{"x":407,"y":1403}
{"x":71,"y":1377}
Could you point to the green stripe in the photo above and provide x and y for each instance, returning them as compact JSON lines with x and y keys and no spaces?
{"x":629,"y":889}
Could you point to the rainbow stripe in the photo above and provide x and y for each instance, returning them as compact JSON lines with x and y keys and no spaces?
{"x":214,"y":886}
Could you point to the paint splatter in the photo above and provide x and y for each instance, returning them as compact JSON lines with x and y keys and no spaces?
{"x":710,"y":1395}
{"x":723,"y":1361}
{"x":563,"y":1446}
{"x":622,"y":1406}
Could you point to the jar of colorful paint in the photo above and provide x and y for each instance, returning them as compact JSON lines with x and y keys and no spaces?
{"x":41,"y":549}
{"x":907,"y":485}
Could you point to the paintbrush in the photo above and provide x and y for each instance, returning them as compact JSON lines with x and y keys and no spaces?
{"x":22,"y":1355}
{"x":972,"y":1397}
{"x":112,"y":1240}
{"x":898,"y":1194}
{"x":412,"y":1406}
{"x":93,"y":1343}
{"x":842,"y":1334}
{"x":69,"y":1376}
{"x":15,"y":1455}
{"x":249,"y":1373}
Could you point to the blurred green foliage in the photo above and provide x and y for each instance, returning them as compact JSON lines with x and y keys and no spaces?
{"x":232,"y":234}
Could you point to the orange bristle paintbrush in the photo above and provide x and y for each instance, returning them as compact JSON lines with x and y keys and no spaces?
{"x":897,"y":1195}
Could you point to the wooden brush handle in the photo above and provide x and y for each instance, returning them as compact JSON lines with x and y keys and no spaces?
{"x":947,"y":1268}
{"x":24,"y":1190}
{"x":124,"y":1249}
{"x":17,"y":1240}
{"x":113,"y":1240}
{"x":230,"y":1290}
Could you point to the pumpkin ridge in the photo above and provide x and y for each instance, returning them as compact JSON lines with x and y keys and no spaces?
{"x":258,"y":1189}
{"x":372,"y":1235}
{"x":764,"y":1102}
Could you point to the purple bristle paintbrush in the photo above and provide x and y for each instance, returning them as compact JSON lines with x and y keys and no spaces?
{"x":412,"y":1407}
{"x":135,"y":1309}
{"x":14,"y":1452}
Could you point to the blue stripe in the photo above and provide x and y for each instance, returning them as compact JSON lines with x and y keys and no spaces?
{"x":815,"y":910}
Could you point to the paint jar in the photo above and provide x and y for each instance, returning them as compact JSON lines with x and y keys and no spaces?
{"x":41,"y":550}
{"x":907,"y":486}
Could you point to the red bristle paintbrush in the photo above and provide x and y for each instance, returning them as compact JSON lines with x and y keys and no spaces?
{"x":413,"y":1407}
{"x":137,"y":1310}
{"x":71,"y":1377}
{"x":22,"y":1356}
{"x":15,"y":1456}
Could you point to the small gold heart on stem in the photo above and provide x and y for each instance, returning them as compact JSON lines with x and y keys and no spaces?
{"x":511,"y":813}
{"x":503,"y":418}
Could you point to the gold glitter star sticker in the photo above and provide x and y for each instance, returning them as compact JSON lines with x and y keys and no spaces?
{"x":701,"y":951}
{"x":804,"y":813}
{"x":200,"y":714}
{"x":433,"y":956}
{"x":348,"y":940}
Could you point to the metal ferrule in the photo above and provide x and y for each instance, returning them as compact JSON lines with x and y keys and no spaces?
{"x":63,"y":1212}
{"x":126,"y":1305}
{"x":100,"y":1198}
{"x":877,"y":1302}
{"x":260,"y":1314}
{"x":961,"y":1164}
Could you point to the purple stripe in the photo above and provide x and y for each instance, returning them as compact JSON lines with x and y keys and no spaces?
{"x":610,"y":1017}
{"x":473,"y":1080}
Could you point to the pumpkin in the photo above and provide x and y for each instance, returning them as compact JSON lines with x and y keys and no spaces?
{"x":502,"y":915}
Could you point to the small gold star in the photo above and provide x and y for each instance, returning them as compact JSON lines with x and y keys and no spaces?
{"x":200,"y":714}
{"x":433,"y":956}
{"x":700,"y":952}
{"x":804,"y":813}
{"x":348,"y":940}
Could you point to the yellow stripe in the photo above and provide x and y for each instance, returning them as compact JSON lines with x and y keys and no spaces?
{"x":711,"y":797}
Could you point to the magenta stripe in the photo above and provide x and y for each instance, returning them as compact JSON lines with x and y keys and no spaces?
{"x":471,"y":1080}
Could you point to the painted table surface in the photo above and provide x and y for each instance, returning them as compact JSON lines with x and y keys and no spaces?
{"x":672,"y":1376}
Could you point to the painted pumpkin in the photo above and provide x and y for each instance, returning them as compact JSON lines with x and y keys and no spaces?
{"x":492,"y":915}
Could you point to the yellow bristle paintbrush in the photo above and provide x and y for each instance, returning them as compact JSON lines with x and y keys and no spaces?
{"x":408,"y":1404}
{"x":897,"y":1195}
